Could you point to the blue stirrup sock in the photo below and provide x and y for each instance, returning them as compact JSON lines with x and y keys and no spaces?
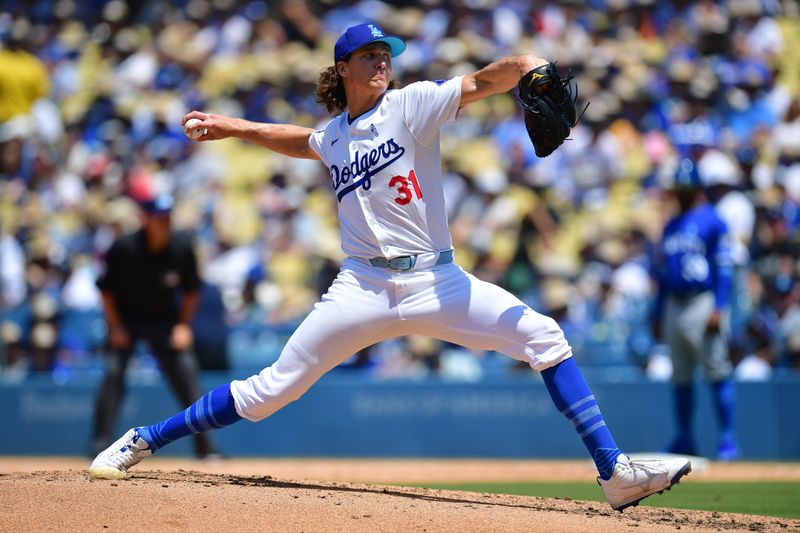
{"x":212,"y":411}
{"x":725,"y":402}
{"x":572,"y":396}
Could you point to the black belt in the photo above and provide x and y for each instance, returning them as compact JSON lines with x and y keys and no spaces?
{"x":407,"y":262}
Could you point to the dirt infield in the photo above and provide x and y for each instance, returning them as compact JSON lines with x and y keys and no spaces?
{"x":55,"y":494}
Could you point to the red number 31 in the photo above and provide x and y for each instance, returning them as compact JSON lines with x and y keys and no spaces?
{"x":405,"y":194}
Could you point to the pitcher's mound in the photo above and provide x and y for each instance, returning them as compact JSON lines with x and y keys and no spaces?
{"x":196,"y":501}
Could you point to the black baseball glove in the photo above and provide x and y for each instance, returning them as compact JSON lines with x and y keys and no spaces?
{"x":549,"y":106}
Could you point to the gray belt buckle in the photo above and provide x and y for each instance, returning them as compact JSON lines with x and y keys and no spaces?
{"x":405,"y":262}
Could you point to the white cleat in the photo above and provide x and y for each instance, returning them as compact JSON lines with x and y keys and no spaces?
{"x":114,"y":461}
{"x":633,"y":481}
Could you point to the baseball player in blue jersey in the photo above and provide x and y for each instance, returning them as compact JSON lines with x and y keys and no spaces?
{"x":694,"y":281}
{"x":399,"y":278}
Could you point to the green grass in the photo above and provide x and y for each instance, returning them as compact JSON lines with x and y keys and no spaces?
{"x":775,"y":498}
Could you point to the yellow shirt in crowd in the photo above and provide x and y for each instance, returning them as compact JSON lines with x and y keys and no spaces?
{"x":23,"y":80}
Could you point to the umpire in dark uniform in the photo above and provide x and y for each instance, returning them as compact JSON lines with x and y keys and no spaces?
{"x":693,"y":302}
{"x":151,"y":289}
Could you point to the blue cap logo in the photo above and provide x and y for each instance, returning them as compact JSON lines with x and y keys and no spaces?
{"x":687,"y":176}
{"x":357,"y":36}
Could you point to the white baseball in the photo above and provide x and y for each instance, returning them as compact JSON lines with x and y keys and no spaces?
{"x":192,"y":131}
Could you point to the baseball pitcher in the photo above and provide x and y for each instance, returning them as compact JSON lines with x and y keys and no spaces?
{"x":399,"y":278}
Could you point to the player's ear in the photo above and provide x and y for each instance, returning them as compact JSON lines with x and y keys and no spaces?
{"x":341,"y":68}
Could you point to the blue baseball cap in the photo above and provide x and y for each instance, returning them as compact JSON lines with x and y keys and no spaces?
{"x":157,"y":205}
{"x":687,"y":175}
{"x":357,"y":36}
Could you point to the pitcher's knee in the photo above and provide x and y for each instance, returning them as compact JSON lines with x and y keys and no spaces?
{"x":548,"y":346}
{"x":267,"y":392}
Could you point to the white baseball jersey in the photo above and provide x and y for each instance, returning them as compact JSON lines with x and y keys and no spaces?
{"x":386,"y":174}
{"x":386,"y":171}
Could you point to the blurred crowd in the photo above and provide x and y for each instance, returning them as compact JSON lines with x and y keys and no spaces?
{"x":91,"y":99}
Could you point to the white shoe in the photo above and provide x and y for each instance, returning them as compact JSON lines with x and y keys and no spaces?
{"x":114,"y":461}
{"x":633,"y":481}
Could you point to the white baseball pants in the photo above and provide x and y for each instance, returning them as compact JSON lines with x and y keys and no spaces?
{"x":366,"y":305}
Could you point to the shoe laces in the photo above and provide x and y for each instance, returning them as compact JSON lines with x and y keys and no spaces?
{"x":126,"y":453}
{"x":649,"y":467}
